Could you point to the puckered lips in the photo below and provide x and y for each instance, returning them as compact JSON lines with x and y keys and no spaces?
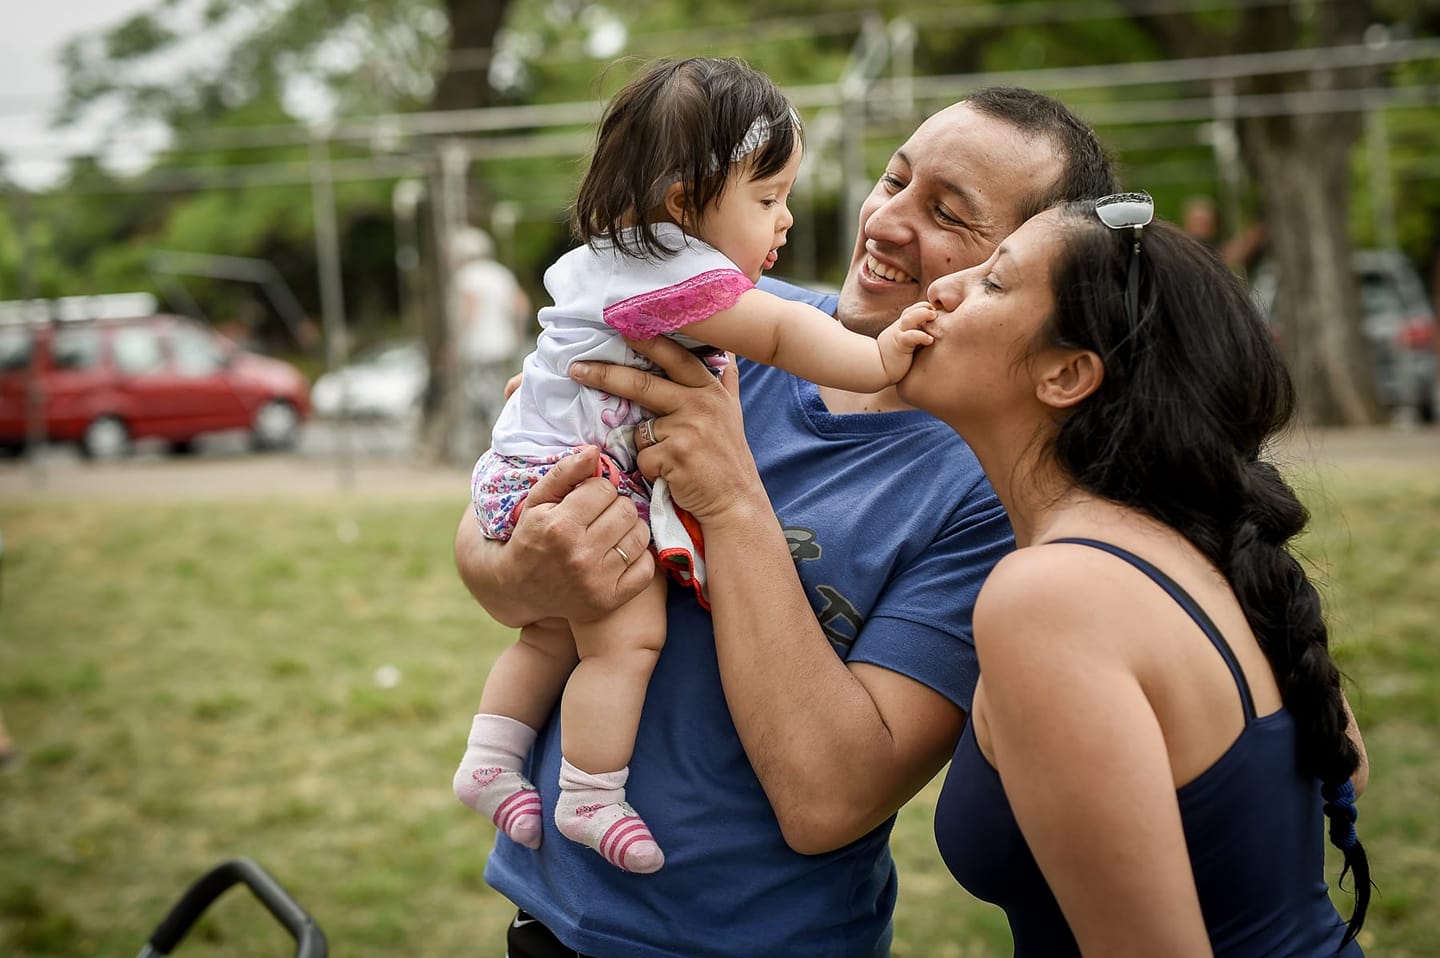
{"x":889,"y":274}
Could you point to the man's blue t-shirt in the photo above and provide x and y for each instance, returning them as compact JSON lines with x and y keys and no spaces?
{"x":893,"y":527}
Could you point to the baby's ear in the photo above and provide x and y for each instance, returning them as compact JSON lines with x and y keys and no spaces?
{"x":1069,"y":376}
{"x":677,"y":204}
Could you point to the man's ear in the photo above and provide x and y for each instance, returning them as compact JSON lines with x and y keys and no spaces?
{"x":1069,"y":377}
{"x":677,"y":204}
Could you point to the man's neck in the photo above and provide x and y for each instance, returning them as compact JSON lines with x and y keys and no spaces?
{"x":842,"y":402}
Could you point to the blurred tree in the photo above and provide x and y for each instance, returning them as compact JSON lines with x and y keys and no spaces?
{"x":211,"y":65}
{"x":188,"y":62}
{"x":233,"y":83}
{"x":465,"y":83}
{"x":1413,"y":156}
{"x":1300,"y":161}
{"x":228,"y":89}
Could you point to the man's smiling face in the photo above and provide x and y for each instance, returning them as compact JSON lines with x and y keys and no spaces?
{"x":946,"y":199}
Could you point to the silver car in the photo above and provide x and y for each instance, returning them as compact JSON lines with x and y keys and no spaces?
{"x":1399,"y":324}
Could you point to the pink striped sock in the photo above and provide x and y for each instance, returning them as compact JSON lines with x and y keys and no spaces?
{"x":592,"y":811}
{"x":489,"y":780}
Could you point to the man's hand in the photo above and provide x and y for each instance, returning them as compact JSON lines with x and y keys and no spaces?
{"x":562,"y":562}
{"x":697,"y":440}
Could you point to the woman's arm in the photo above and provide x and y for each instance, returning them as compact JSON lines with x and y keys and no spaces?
{"x":1082,"y":757}
{"x":811,"y":344}
{"x":1361,"y":776}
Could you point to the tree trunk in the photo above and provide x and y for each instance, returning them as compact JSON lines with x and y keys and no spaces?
{"x":464,"y":85}
{"x":1302,"y":165}
{"x":473,"y":26}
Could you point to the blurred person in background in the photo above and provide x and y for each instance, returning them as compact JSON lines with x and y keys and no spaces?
{"x":846,"y":541}
{"x":1200,"y":218}
{"x":492,"y":320}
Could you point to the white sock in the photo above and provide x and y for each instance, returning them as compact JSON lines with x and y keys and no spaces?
{"x":592,"y":811}
{"x":489,"y":780}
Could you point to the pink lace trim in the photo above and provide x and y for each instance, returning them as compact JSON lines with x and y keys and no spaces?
{"x":665,"y":310}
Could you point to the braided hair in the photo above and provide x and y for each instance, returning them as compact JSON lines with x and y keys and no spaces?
{"x":1215,"y":390}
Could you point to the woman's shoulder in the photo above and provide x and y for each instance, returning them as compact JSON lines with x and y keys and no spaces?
{"x":1041,"y":591}
{"x":1056,"y":571}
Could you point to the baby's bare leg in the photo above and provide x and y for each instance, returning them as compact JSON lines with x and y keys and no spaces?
{"x":600,"y":710}
{"x":519,"y":694}
{"x":528,"y":677}
{"x":599,"y":716}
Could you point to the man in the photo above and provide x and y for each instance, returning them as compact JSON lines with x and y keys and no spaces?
{"x":1201,"y":219}
{"x":844,"y":559}
{"x":492,"y":323}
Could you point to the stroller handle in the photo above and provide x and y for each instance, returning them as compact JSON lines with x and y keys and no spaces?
{"x":309,"y":939}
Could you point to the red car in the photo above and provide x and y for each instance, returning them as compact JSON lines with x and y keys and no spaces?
{"x":103,"y":383}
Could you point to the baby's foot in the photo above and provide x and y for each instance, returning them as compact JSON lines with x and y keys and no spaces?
{"x":489,"y":780}
{"x":507,"y":798}
{"x":593,"y":812}
{"x":615,"y":831}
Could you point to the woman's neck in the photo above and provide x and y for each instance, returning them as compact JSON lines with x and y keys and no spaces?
{"x":1041,"y":500}
{"x":1046,"y":505}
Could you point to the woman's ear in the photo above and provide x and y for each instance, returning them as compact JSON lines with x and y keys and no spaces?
{"x":1069,"y":377}
{"x":677,"y":204}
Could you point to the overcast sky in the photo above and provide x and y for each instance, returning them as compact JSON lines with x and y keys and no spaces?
{"x":32,"y":33}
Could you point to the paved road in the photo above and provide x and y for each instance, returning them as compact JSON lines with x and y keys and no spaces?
{"x":367,"y":460}
{"x":1381,"y":445}
{"x":381,"y":463}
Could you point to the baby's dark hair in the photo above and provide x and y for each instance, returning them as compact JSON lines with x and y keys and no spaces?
{"x":678,"y":121}
{"x":1192,"y":391}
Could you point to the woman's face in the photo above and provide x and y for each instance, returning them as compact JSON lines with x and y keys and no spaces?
{"x":988,"y":322}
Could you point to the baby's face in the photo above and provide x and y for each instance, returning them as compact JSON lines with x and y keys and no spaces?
{"x":749,"y":221}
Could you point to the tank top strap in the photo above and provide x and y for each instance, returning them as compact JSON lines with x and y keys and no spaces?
{"x":1191,"y":607}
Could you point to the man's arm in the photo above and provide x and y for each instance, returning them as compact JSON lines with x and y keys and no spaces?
{"x":837,"y":748}
{"x":560,"y":562}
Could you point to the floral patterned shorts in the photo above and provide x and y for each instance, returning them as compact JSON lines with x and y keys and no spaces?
{"x":500,"y":484}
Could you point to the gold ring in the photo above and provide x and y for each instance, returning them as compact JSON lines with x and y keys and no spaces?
{"x":623,"y":554}
{"x":647,"y":432}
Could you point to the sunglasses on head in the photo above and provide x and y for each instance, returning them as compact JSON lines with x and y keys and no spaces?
{"x":1128,"y":211}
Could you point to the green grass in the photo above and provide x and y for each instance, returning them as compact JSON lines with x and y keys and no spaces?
{"x":194,"y":681}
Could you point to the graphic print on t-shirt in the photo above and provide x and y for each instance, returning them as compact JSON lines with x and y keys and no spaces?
{"x":839,"y":619}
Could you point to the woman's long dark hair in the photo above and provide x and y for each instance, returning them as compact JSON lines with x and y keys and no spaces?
{"x":1193,"y":389}
{"x":679,"y":120}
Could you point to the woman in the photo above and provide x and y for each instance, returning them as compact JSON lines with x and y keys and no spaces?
{"x":1158,"y":711}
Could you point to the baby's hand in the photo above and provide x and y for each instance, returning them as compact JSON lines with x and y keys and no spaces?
{"x":901,"y":338}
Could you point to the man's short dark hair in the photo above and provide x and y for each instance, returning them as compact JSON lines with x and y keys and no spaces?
{"x":1087,"y":172}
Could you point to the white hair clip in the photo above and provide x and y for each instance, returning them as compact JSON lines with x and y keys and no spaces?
{"x":758,"y":135}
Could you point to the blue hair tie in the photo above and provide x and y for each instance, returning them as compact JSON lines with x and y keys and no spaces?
{"x":1340,"y":809}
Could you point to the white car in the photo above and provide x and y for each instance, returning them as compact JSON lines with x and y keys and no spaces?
{"x":385,"y":381}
